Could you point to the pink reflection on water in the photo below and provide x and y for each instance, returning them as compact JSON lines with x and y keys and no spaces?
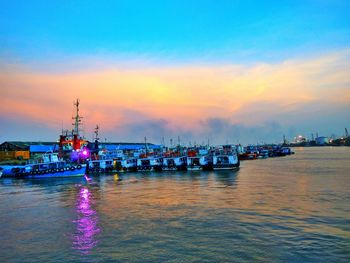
{"x":84,"y":238}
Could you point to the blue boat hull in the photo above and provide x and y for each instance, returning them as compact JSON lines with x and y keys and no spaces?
{"x":67,"y":173}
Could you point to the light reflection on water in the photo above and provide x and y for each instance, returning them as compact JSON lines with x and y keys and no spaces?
{"x":292,"y":209}
{"x":85,"y":236}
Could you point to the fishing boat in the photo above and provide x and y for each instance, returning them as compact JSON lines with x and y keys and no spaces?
{"x":263,"y":153}
{"x":102,"y":162}
{"x":197,"y":159}
{"x":194,"y":163}
{"x":149,"y":163}
{"x":50,"y":166}
{"x":287,"y":151}
{"x":174,"y":163}
{"x":100,"y":166}
{"x":224,"y":158}
{"x":148,"y":160}
{"x":71,"y":144}
{"x":127,"y":165}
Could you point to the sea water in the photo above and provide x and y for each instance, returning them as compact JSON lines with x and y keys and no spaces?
{"x":288,"y":209}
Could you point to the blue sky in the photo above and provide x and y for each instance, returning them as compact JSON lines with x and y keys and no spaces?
{"x":172,"y":30}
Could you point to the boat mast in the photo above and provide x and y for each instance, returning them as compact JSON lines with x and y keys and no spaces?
{"x":96,"y":132}
{"x":77,"y":118}
{"x":146,"y":146}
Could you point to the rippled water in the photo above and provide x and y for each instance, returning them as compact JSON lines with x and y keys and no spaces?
{"x":290,"y":209}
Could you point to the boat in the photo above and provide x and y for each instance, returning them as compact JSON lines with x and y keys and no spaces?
{"x":100,"y":166}
{"x":194,"y":163}
{"x":71,"y":144}
{"x":147,"y":160}
{"x":197,"y":158}
{"x":249,"y":153}
{"x":1,"y":171}
{"x":149,"y":163}
{"x":127,"y":165}
{"x":50,"y":166}
{"x":102,"y":162}
{"x":263,"y":153}
{"x":178,"y":163}
{"x":287,"y":151}
{"x":224,"y":158}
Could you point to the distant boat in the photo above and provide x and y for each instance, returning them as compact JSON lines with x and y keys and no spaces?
{"x":264,"y":153}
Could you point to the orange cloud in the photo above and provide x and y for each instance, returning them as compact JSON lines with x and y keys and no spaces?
{"x":182,"y":95}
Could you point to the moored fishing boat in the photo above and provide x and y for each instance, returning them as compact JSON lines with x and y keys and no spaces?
{"x":50,"y":167}
{"x":224,"y":158}
{"x":174,"y":163}
{"x":148,"y":164}
{"x":197,"y":159}
{"x":263,"y":153}
{"x":127,"y":165}
{"x":194,"y":163}
{"x":100,"y":166}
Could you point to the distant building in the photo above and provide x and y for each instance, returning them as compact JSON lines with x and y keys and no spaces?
{"x":17,"y":150}
{"x":14,"y":151}
{"x":300,"y":139}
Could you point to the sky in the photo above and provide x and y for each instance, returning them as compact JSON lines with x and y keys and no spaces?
{"x":223,"y":71}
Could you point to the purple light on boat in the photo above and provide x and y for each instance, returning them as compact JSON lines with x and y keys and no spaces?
{"x":84,"y":237}
{"x":85,"y":153}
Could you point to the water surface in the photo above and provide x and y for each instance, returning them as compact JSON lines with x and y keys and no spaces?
{"x":289,"y":209}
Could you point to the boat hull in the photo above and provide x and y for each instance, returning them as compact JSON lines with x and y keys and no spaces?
{"x":169,"y":168}
{"x":174,"y":168}
{"x":149,"y":168}
{"x":76,"y":172}
{"x":231,"y":167}
{"x":194,"y":168}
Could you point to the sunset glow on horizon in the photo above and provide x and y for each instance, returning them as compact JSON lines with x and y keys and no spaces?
{"x":235,"y":98}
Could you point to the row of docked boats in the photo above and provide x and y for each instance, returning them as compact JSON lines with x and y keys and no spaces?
{"x":218,"y":158}
{"x":50,"y":165}
{"x":252,"y":152}
{"x":223,"y":157}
